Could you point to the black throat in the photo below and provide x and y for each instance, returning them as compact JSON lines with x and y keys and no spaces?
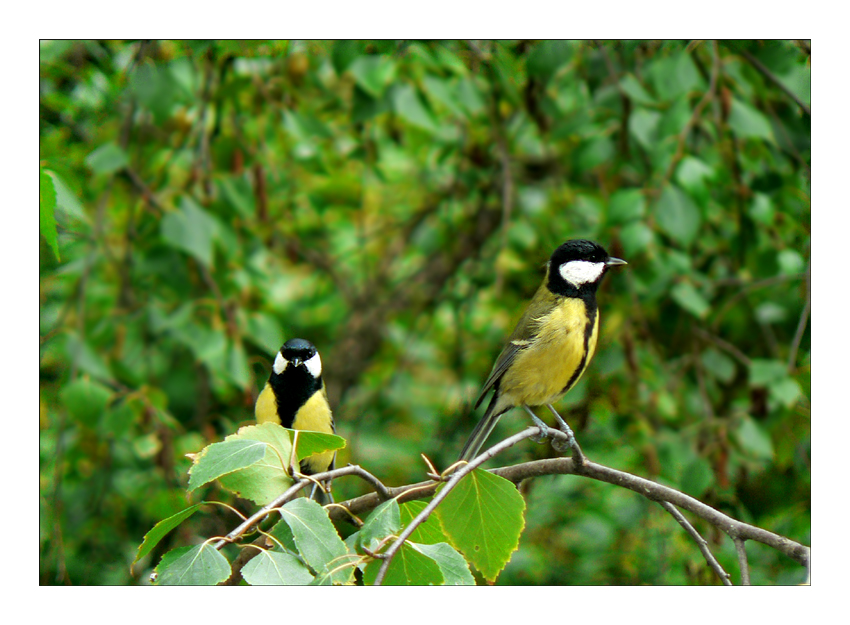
{"x":292,"y":389}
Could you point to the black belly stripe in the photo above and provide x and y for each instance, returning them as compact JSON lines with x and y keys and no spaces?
{"x":590,"y":308}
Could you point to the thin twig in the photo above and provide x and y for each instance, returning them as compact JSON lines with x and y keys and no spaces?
{"x":772,"y":78}
{"x":742,"y":560}
{"x":745,"y":290}
{"x":700,"y":541}
{"x":804,"y":320}
{"x":724,"y":345}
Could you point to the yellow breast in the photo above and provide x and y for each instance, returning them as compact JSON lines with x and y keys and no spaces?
{"x":315,"y":415}
{"x":541,"y":372}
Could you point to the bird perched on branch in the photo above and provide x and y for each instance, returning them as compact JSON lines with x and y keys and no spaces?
{"x":551,"y":345}
{"x":295,"y":398}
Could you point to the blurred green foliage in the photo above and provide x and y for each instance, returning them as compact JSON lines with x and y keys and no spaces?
{"x":394,"y":203}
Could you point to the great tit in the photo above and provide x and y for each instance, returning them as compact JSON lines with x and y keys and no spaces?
{"x":295,"y":398}
{"x":553,"y":342}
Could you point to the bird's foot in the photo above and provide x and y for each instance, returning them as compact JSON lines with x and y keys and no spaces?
{"x":544,"y":429}
{"x":570,"y":443}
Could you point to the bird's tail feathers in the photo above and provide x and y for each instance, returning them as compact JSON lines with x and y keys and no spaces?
{"x":481,"y":432}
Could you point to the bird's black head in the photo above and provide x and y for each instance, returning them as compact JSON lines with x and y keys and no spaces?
{"x":577,"y":267}
{"x":299,"y":353}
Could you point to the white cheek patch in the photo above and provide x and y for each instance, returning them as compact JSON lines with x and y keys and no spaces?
{"x":314,"y":366}
{"x":280,"y":363}
{"x":578,"y":272}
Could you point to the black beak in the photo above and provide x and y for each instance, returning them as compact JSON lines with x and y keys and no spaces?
{"x":613,"y":262}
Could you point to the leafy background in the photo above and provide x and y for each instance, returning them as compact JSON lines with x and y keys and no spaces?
{"x":394,"y":202}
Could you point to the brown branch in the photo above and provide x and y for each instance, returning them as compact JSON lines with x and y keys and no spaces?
{"x":701,"y":542}
{"x":742,"y":560}
{"x":566,"y":466}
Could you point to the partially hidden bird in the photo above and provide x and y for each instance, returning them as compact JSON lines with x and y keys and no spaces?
{"x":295,"y":397}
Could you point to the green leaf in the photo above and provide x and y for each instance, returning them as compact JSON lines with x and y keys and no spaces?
{"x":201,"y":565}
{"x":46,"y":211}
{"x":470,"y":96}
{"x":107,"y":159}
{"x":343,"y":54}
{"x":429,"y":532}
{"x":161,"y":530}
{"x":718,"y":364}
{"x":686,"y":296}
{"x":626,"y":205}
{"x":761,"y":209}
{"x":763,"y":372}
{"x":483,"y":518}
{"x":263,"y":329}
{"x":440,"y":90}
{"x":674,"y":76}
{"x":222,"y":458}
{"x":547,"y":58}
{"x":238,"y":193}
{"x":635,"y":90}
{"x":771,"y":312}
{"x":190,"y":230}
{"x":66,"y":202}
{"x":636,"y":238}
{"x":748,"y":122}
{"x":311,"y":443}
{"x":409,"y":567}
{"x":317,"y":541}
{"x":677,"y":215}
{"x":87,"y":358}
{"x":276,"y":568}
{"x":594,"y":153}
{"x":785,"y":391}
{"x":268,"y":477}
{"x":283,"y":534}
{"x":157,"y":89}
{"x":754,"y":440}
{"x":409,"y":106}
{"x":790,"y":262}
{"x":643,"y":126}
{"x":364,"y":107}
{"x":693,"y":174}
{"x":86,"y":400}
{"x":384,"y":521}
{"x":454,"y":568}
{"x":237,"y":365}
{"x":373,"y":73}
{"x":697,"y":476}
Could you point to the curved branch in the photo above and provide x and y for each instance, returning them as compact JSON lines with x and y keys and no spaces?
{"x":565,"y":466}
{"x":658,"y":492}
{"x":383,"y":494}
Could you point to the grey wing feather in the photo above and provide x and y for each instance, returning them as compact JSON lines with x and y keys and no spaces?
{"x":502,"y":363}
